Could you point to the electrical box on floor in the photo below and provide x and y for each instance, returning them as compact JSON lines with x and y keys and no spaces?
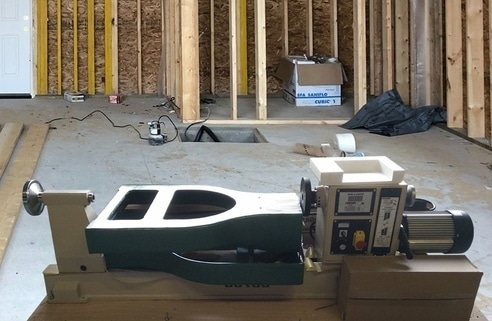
{"x":74,"y":96}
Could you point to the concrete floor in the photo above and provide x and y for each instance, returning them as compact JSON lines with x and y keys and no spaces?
{"x":446,"y":169}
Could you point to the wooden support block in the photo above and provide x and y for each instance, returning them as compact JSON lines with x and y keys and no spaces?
{"x":8,"y":140}
{"x":165,"y":310}
{"x":475,"y":69}
{"x":260,"y":50}
{"x":21,"y":169}
{"x":360,"y":81}
{"x":185,"y":310}
{"x":454,"y":64}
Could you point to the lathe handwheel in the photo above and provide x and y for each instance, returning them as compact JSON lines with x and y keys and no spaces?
{"x":31,"y":197}
{"x":307,"y":197}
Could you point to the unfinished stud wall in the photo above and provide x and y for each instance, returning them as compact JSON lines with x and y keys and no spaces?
{"x":297,"y":39}
{"x":69,"y":27}
{"x":68,"y":69}
{"x":73,"y":37}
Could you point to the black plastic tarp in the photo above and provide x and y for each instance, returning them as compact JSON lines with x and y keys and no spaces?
{"x":388,"y":115}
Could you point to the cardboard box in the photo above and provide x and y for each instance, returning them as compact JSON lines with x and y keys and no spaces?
{"x":304,"y":101}
{"x":429,"y":287}
{"x":306,"y":83}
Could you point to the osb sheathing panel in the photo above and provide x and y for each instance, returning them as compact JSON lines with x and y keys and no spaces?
{"x":127,"y":46}
{"x":151,"y":42}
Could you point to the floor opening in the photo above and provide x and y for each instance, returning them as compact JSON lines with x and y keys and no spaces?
{"x":223,"y":135}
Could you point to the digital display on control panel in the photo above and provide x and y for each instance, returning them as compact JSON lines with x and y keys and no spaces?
{"x":355,"y":202}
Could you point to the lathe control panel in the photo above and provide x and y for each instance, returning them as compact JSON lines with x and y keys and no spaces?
{"x":360,"y":205}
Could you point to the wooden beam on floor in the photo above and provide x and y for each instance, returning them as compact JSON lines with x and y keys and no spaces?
{"x":20,"y":170}
{"x":8,"y":140}
{"x":454,"y":64}
{"x":277,"y":122}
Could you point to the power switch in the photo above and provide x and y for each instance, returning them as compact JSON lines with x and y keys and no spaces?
{"x":359,"y":240}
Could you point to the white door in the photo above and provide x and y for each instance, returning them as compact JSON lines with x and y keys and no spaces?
{"x":15,"y":47}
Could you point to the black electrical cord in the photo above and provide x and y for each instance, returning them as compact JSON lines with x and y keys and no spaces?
{"x":101,"y":112}
{"x":174,"y":125}
{"x":168,"y":103}
{"x":207,"y":130}
{"x":196,"y":123}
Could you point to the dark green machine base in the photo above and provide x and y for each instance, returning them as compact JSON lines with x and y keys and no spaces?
{"x":203,"y":234}
{"x":256,"y":268}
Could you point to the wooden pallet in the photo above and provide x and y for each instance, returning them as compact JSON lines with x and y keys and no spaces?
{"x":19,"y":153}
